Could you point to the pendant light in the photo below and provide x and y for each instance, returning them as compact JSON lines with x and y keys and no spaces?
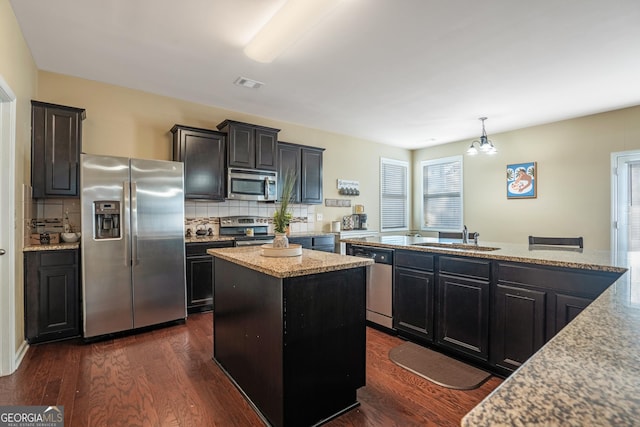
{"x":484,"y":143}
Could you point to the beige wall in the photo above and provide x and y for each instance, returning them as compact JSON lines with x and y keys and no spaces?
{"x":574,"y":178}
{"x":125,"y":122}
{"x":19,"y":71}
{"x":573,"y":159}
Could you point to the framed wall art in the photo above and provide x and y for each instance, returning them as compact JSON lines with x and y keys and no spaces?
{"x":521,"y":180}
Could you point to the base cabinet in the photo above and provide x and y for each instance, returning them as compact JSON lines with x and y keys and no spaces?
{"x":199,"y":271}
{"x":324,"y":243}
{"x":520,"y":316}
{"x":298,"y":365}
{"x":533,"y":303}
{"x":414,"y":285}
{"x":52,"y":295}
{"x":492,"y":312}
{"x":463,"y":305}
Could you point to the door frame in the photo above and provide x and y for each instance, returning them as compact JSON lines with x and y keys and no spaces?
{"x":8,"y":359}
{"x":615,"y":199}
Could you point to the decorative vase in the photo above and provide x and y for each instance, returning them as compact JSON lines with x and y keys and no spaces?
{"x":280,"y":240}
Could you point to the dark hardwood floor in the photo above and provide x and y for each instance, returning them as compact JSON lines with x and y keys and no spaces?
{"x":166,"y":377}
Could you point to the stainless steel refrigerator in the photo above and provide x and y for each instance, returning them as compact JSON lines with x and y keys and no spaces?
{"x":133,"y":263}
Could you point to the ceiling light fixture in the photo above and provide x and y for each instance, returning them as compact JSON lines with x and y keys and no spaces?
{"x":293,"y":19}
{"x":484,"y":143}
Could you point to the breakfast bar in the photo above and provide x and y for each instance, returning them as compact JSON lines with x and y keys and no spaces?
{"x":290,"y":331}
{"x":587,"y":374}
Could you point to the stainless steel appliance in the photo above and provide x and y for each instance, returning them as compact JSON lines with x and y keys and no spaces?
{"x":133,"y":272}
{"x":251,"y":184}
{"x":246,"y":230}
{"x":379,"y":283}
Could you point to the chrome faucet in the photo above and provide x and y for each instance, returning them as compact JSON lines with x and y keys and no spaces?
{"x":465,"y":235}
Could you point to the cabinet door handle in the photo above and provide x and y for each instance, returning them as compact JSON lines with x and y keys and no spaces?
{"x":2,"y":252}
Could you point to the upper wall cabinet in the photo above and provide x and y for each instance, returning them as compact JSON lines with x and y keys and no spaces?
{"x":306,"y":162}
{"x":56,"y":141}
{"x":250,"y":146}
{"x":203,"y":153}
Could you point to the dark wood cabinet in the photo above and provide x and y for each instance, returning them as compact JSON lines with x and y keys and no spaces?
{"x":520,"y":323}
{"x":56,"y":142}
{"x":274,"y":337}
{"x":199,"y":271}
{"x":413,"y":300}
{"x":289,"y":157}
{"x":306,"y":163}
{"x":52,"y":295}
{"x":463,"y":305}
{"x":532,"y":303}
{"x":250,"y":146}
{"x":203,"y":153}
{"x":324,"y":243}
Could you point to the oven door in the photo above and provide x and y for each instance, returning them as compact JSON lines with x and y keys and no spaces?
{"x":253,"y":242}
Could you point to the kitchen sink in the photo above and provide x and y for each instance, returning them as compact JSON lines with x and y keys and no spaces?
{"x":452,"y":245}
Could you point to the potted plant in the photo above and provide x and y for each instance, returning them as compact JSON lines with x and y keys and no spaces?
{"x":282,"y":217}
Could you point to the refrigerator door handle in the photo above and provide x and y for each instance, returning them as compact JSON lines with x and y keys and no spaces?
{"x":134,"y":223}
{"x":127,"y":197}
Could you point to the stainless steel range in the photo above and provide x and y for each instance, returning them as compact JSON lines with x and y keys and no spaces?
{"x":247,"y":230}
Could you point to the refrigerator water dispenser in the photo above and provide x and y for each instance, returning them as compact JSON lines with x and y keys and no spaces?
{"x":107,"y":220}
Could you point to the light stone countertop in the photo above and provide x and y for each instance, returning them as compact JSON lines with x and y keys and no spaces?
{"x":586,"y":259}
{"x":208,"y":239}
{"x":586,"y":375}
{"x":51,"y":247}
{"x":310,"y":262}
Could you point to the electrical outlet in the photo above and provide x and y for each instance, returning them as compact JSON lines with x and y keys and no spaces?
{"x":318,"y":217}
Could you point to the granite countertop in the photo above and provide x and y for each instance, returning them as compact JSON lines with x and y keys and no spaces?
{"x":206,"y":239}
{"x":51,"y":247}
{"x":311,"y":234}
{"x":310,"y":262}
{"x":587,"y":259}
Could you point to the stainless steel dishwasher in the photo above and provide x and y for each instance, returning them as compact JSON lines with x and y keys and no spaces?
{"x":379,"y":283}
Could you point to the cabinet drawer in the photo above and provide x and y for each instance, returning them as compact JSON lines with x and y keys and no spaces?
{"x":51,"y":258}
{"x":580,"y":282}
{"x":414,"y":259}
{"x":323,"y":241}
{"x":467,"y":267}
{"x":193,"y":249}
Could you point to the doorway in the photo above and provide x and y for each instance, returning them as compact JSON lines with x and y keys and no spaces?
{"x":7,"y":229}
{"x":625,"y":216}
{"x":625,"y":202}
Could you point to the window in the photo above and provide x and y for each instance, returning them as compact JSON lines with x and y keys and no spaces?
{"x":442,"y":194}
{"x":394,"y":195}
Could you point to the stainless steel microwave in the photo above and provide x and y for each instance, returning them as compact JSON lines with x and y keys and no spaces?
{"x":252,"y":184}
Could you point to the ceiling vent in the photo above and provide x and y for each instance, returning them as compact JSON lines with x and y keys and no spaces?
{"x":245,"y":82}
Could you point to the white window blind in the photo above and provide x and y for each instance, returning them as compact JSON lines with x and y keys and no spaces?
{"x":442,"y":194}
{"x":394,"y":194}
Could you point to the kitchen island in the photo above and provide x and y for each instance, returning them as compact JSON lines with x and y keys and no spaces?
{"x":290,"y":331}
{"x":587,"y":374}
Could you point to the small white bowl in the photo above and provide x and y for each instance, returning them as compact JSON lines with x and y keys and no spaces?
{"x":70,"y":237}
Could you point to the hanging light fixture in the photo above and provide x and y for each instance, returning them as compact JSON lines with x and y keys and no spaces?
{"x":484,"y":143}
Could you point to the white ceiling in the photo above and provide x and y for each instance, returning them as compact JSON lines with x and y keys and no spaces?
{"x":410,"y":73}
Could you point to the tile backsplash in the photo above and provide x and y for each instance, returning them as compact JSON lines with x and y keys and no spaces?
{"x":47,"y":215}
{"x":208,"y":214}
